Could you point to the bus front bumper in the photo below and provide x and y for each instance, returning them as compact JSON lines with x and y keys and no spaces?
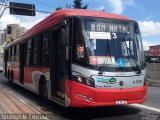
{"x":85,"y":96}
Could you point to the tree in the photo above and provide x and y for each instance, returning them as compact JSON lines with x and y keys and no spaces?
{"x":78,"y":4}
{"x":68,"y":6}
{"x":58,"y":8}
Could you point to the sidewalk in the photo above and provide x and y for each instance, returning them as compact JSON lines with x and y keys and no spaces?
{"x":12,"y":104}
{"x":153,"y":82}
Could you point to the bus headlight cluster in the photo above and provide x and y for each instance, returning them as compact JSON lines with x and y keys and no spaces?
{"x":79,"y":79}
{"x":90,"y":82}
{"x":86,"y":81}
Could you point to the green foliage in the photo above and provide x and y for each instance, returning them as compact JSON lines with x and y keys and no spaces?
{"x":78,"y":4}
{"x":59,"y":8}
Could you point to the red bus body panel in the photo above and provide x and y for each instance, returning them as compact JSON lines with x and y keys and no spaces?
{"x":103,"y":96}
{"x":28,"y":72}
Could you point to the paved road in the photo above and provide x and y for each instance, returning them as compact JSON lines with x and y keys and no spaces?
{"x":128,"y":112}
{"x":153,"y":97}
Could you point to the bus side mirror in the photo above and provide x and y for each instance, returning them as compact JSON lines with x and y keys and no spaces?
{"x":63,"y":37}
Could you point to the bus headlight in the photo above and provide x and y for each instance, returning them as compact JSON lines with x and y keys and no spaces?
{"x":84,"y":80}
{"x":79,"y":79}
{"x":90,"y":82}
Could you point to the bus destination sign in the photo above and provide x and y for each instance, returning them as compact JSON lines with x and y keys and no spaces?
{"x":108,"y":27}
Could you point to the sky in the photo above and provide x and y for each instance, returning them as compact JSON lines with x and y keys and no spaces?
{"x":145,"y":12}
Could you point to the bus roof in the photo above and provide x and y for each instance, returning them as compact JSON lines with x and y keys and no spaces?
{"x":59,"y":15}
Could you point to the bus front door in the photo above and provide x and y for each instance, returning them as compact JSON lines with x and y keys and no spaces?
{"x":58,"y":65}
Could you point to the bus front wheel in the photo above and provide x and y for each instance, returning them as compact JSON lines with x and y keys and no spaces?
{"x":44,"y":90}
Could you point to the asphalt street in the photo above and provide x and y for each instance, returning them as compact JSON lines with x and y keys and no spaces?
{"x":153,"y":97}
{"x":128,"y":112}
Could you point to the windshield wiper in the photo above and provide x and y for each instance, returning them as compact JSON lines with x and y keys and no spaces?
{"x":136,"y":67}
{"x":101,"y":70}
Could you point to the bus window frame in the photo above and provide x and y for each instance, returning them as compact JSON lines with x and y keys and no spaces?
{"x":13,"y":53}
{"x":39,"y":51}
{"x":35,"y":51}
{"x":28,"y":52}
{"x":45,"y":49}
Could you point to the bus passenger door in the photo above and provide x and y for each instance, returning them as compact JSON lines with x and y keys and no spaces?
{"x":22,"y":61}
{"x":58,"y":64}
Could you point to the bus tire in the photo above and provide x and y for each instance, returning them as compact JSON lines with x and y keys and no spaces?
{"x":43,"y":89}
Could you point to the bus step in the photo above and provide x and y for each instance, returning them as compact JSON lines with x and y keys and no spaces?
{"x":60,"y":94}
{"x":58,"y":100}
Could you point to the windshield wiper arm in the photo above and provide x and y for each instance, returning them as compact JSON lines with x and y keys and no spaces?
{"x":101,"y":71}
{"x":136,"y":67}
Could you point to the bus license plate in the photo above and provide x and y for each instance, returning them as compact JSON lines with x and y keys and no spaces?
{"x":121,"y":102}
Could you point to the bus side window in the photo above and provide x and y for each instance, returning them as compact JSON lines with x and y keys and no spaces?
{"x":17,"y":52}
{"x":29,"y":59}
{"x":39,"y":39}
{"x":44,"y":56}
{"x":79,"y":44}
{"x":9,"y":53}
{"x":12,"y":53}
{"x":35,"y":52}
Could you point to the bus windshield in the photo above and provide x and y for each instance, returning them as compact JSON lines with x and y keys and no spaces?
{"x":108,"y":43}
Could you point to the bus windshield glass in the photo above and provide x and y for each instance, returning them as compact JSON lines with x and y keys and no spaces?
{"x":108,"y":42}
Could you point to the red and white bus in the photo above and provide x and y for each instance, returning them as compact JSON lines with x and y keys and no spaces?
{"x":80,"y":58}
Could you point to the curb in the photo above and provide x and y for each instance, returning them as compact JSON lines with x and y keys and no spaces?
{"x":154,"y":85}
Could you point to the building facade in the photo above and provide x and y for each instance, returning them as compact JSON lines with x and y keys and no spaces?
{"x":16,"y":31}
{"x":6,"y":37}
{"x":3,"y":38}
